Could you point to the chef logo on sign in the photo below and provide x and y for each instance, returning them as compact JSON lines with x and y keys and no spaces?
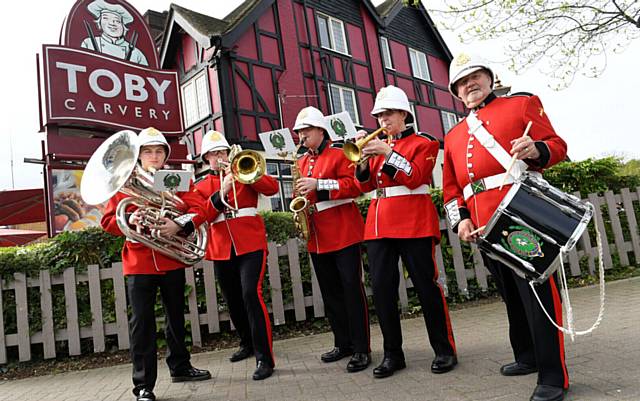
{"x":112,"y":21}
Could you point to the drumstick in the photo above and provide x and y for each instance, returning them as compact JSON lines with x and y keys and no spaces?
{"x":513,"y":159}
{"x":477,"y":230}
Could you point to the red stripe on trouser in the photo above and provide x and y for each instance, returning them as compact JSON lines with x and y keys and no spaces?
{"x":444,"y":300}
{"x":363,"y":294}
{"x":557,"y":307}
{"x":265,"y":312}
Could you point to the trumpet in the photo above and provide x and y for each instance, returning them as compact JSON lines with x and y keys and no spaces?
{"x":247,"y":167}
{"x":353,"y":150}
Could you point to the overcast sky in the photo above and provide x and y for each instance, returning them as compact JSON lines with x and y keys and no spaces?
{"x":595,"y":116}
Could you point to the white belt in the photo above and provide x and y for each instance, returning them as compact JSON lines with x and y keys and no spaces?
{"x":491,"y":182}
{"x":232,"y":214}
{"x":324,"y":205}
{"x":398,"y":190}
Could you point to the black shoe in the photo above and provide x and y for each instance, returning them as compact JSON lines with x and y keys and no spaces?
{"x":388,"y":367}
{"x":443,"y":363}
{"x":145,"y":395}
{"x":191,"y":375}
{"x":545,"y":392}
{"x":240,"y":354}
{"x":263,"y":370}
{"x":359,"y":361}
{"x":336,"y":354}
{"x":517,"y":369}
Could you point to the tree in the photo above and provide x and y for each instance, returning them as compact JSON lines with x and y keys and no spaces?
{"x":565,"y":37}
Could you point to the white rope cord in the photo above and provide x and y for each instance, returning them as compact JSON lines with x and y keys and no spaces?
{"x":570,"y":330}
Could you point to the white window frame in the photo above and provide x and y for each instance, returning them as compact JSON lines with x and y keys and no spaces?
{"x":448,"y":118}
{"x":387,"y":62}
{"x":416,"y":66}
{"x":197,"y":105}
{"x":342,"y":89}
{"x":332,"y":39}
{"x":415,"y":116}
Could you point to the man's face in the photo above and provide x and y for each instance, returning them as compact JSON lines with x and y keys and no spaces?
{"x":152,"y":156}
{"x":312,"y":137}
{"x":474,"y":88}
{"x":111,"y":24}
{"x":392,"y":121}
{"x":215,"y":156}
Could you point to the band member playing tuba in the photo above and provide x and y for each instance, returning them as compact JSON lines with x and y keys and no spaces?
{"x":336,"y":229}
{"x":147,"y":271}
{"x":402,"y":222}
{"x":473,"y":175}
{"x":238,"y":246}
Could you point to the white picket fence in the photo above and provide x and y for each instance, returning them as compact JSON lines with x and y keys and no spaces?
{"x":309,"y":306}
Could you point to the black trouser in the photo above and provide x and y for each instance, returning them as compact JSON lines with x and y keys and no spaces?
{"x":418,"y":257}
{"x":142,"y":290}
{"x":339,"y":275}
{"x":534,"y":339}
{"x":240,"y":279}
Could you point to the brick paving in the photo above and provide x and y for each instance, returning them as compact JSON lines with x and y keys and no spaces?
{"x":602,"y":365}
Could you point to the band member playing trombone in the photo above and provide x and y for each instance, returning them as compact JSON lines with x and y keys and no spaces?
{"x":147,"y":271}
{"x":238,"y":246}
{"x":473,"y":180}
{"x":402,"y":222}
{"x":335,"y":234}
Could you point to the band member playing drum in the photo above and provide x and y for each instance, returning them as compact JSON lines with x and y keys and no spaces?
{"x":477,"y":155}
{"x":335,"y":233}
{"x":402,"y":222}
{"x":147,"y":271}
{"x":238,"y":246}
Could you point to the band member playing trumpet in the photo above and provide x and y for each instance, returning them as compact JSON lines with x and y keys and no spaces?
{"x":336,"y":228}
{"x":473,"y":180}
{"x":147,"y":271}
{"x":402,"y":222}
{"x":238,"y":246}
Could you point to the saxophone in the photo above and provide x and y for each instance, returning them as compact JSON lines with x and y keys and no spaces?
{"x":299,"y":205}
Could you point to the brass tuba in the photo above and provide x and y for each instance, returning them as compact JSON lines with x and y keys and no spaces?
{"x":353,"y":150}
{"x":299,"y":205}
{"x":114,"y":168}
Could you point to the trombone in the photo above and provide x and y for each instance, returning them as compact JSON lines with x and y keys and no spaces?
{"x":353,"y":150}
{"x":247,"y":166}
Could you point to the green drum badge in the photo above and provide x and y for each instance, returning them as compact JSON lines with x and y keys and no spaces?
{"x":522,"y":242}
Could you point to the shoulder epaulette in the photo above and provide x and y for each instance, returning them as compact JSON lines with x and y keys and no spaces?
{"x":427,"y":136}
{"x":337,"y":145}
{"x":202,"y":177}
{"x":527,"y":94}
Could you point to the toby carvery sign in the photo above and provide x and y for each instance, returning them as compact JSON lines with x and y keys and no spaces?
{"x":106,"y":72}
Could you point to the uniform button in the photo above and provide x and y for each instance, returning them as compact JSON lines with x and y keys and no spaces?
{"x":469,"y":165}
{"x":488,"y":122}
{"x":469,"y":155}
{"x":470,"y":146}
{"x":392,"y":144}
{"x":309,"y":174}
{"x":471,"y":175}
{"x":471,"y":138}
{"x":380,"y":182}
{"x":379,"y":173}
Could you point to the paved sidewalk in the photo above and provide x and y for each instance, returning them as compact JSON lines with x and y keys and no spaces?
{"x":602,"y":366}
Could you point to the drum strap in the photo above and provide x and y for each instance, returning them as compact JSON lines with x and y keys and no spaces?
{"x":478,"y":130}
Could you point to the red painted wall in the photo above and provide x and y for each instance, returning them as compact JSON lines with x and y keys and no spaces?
{"x":188,"y":52}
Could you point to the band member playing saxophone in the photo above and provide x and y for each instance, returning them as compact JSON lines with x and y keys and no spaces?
{"x":238,"y":247}
{"x":335,"y":234}
{"x":147,"y":271}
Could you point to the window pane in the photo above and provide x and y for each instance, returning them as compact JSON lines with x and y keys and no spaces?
{"x":287,"y":190}
{"x":386,"y":56}
{"x":324,"y":32}
{"x":202,"y":96}
{"x":336,"y":99}
{"x":414,"y":63}
{"x":424,"y":70}
{"x":285,"y":170}
{"x":349,"y":104}
{"x":276,"y":203}
{"x":272,"y":169}
{"x":189,"y":103}
{"x":338,"y":36}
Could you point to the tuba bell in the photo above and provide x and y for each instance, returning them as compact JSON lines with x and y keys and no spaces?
{"x":114,"y":168}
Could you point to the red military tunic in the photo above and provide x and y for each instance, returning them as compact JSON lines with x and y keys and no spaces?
{"x":467,"y":161}
{"x":337,"y":227}
{"x":405,"y":216}
{"x":244,"y":234}
{"x":138,"y":258}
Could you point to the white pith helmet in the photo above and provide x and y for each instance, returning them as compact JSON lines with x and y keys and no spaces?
{"x":465,"y":64}
{"x":212,"y":141}
{"x":392,"y":98}
{"x":151,"y":136}
{"x":310,"y":117}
